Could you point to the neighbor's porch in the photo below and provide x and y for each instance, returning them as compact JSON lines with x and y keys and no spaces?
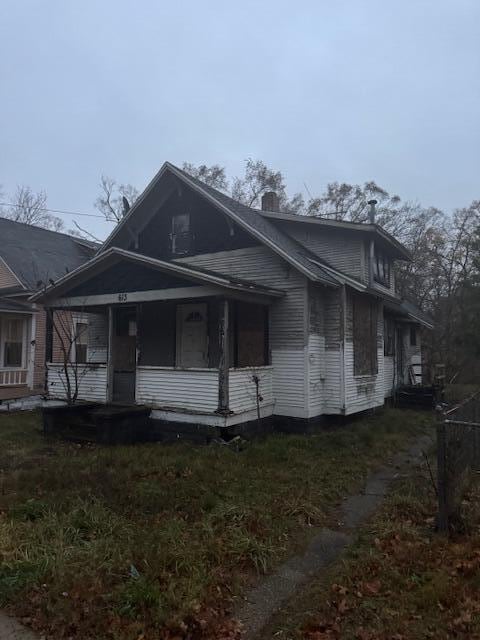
{"x":17,"y":349}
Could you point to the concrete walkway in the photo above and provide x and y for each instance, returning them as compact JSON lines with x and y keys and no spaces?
{"x":263,"y":601}
{"x":10,"y":629}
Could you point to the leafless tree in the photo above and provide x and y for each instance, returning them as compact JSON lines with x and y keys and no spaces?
{"x":213,"y":175}
{"x":115,"y":199}
{"x":31,"y":208}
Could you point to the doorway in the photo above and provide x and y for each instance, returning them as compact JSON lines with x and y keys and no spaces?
{"x":124,"y":354}
{"x":192,"y":335}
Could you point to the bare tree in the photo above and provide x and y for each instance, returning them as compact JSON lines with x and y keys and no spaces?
{"x":115,"y":199}
{"x":213,"y":175}
{"x":31,"y":208}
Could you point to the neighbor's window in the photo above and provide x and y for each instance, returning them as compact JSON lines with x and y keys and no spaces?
{"x":181,"y":236}
{"x":364,"y":336}
{"x":13,"y":330}
{"x":381,"y":268}
{"x":388,"y":337}
{"x":413,"y":336}
{"x":81,"y":342}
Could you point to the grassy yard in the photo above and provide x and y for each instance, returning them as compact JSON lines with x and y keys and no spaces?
{"x":401,"y":581}
{"x":152,"y":541}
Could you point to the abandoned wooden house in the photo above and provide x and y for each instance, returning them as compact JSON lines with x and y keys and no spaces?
{"x":29,"y":258}
{"x":207,"y":311}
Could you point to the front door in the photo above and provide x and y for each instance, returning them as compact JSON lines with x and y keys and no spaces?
{"x":192,"y":335}
{"x":124,"y":355}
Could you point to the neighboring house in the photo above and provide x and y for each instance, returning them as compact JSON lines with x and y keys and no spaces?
{"x":29,"y":258}
{"x":195,"y":297}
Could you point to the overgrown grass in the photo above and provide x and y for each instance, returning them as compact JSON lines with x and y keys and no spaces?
{"x":116,"y":542}
{"x":401,"y":580}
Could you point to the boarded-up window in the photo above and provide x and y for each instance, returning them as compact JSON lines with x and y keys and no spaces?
{"x":364,"y":336}
{"x":251,"y":335}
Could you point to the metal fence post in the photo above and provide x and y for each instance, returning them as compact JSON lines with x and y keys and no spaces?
{"x":442,"y":475}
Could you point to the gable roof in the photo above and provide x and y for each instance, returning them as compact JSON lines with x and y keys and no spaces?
{"x":35,"y":254}
{"x":292,"y":251}
{"x":114,"y":255}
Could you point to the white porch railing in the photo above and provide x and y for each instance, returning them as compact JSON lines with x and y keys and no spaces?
{"x":188,"y":389}
{"x":92,"y":381}
{"x":243,"y":394}
{"x":13,"y":377}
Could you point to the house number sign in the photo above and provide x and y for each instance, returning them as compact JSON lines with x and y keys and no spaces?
{"x":122,"y":297}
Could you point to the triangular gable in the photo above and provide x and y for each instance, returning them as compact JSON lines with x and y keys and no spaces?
{"x":147,"y":273}
{"x":249,"y":220}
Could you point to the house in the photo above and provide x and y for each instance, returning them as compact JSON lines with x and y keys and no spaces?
{"x":212,"y":313}
{"x":29,"y":258}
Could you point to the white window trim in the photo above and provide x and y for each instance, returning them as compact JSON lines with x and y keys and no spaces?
{"x":3,"y":320}
{"x":78,"y":318}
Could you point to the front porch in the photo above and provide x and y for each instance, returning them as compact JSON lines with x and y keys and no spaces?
{"x":193,"y":354}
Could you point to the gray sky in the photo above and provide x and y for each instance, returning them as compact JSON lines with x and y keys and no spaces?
{"x":324,"y":90}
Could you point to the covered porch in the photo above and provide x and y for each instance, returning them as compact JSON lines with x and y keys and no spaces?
{"x":194,"y":350}
{"x":17,"y":348}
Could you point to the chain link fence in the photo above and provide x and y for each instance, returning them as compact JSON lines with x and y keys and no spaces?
{"x":458,"y":451}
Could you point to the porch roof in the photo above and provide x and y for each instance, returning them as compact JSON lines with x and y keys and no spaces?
{"x":407,"y":310}
{"x":7,"y":305}
{"x":65,"y":290}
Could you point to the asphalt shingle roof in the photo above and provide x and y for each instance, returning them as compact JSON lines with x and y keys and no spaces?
{"x":35,"y":254}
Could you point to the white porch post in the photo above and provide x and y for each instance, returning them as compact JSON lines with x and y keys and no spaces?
{"x":224,"y":363}
{"x":31,"y":346}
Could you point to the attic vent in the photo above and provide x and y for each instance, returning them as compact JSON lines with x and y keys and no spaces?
{"x":270,"y":201}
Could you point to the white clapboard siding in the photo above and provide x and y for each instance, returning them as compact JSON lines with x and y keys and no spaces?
{"x":289,"y":383}
{"x":97,"y":348}
{"x":242,"y":389}
{"x":92,"y":382}
{"x":195,"y":389}
{"x":388,"y":375}
{"x":333,"y":353}
{"x":261,"y":265}
{"x":316,"y":375}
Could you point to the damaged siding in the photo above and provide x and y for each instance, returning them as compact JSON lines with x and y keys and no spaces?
{"x":288,"y":317}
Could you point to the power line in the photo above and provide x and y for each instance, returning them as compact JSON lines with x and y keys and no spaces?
{"x":70,"y":213}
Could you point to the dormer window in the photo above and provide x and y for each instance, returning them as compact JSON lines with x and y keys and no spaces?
{"x":181,"y":235}
{"x":381,"y":268}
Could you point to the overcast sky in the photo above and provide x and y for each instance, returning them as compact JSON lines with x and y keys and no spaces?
{"x":324,"y":90}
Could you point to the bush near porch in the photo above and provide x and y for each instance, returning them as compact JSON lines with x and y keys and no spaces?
{"x":153,"y":541}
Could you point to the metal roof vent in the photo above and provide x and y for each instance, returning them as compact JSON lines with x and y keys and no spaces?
{"x":372,"y":211}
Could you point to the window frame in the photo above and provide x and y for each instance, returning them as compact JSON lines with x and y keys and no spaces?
{"x":413,"y":332}
{"x":184,"y":235}
{"x":388,"y":336}
{"x":75,"y":335}
{"x":23,"y":360}
{"x":382,"y":273}
{"x":365,"y":331}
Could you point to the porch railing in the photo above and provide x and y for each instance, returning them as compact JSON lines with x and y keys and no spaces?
{"x":13,"y":377}
{"x":92,"y":381}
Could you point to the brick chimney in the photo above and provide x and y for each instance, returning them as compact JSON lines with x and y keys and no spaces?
{"x":270,"y":201}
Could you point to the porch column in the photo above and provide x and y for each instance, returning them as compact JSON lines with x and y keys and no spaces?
{"x":110,"y":355}
{"x":224,"y":361}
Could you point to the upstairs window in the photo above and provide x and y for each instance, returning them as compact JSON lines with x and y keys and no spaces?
{"x":381,"y":268}
{"x":181,"y":234}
